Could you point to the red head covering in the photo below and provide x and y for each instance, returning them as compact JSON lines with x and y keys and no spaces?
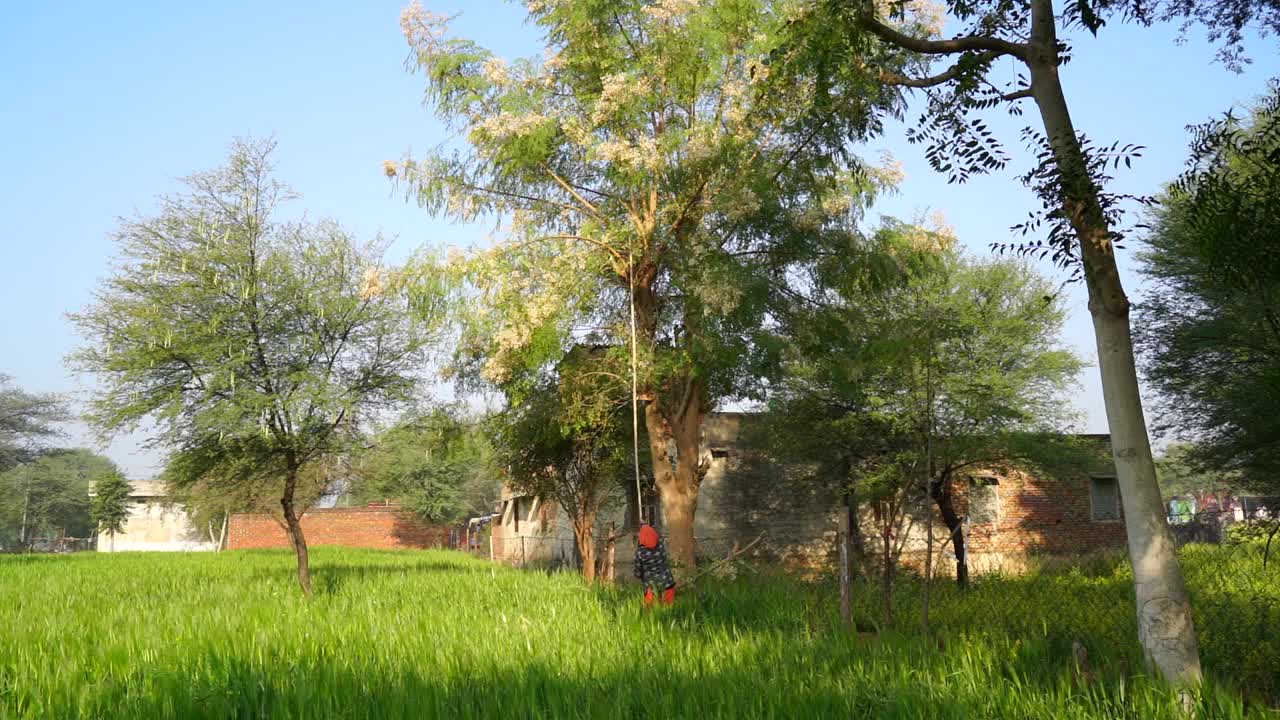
{"x":648,"y":536}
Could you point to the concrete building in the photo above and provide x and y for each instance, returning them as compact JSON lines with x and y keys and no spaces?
{"x":154,"y":524}
{"x":1010,"y":516}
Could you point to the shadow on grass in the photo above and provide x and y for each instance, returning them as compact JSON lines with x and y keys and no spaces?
{"x":332,"y":577}
{"x":749,"y":684}
{"x":329,"y":577}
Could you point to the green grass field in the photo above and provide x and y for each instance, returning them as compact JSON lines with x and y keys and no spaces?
{"x":436,"y":634}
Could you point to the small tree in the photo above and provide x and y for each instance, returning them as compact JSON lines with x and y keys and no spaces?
{"x":49,"y":496}
{"x":258,"y":346}
{"x":567,"y":441}
{"x":899,"y":388}
{"x":434,"y":464}
{"x":110,"y":504}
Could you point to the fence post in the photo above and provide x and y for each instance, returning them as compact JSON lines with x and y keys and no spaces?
{"x":611,"y":554}
{"x":522,"y":555}
{"x":846,"y":591}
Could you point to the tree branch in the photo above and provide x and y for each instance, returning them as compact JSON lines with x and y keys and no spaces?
{"x":591,"y":241}
{"x":950,"y":74}
{"x":570,"y":189}
{"x":513,"y":195}
{"x":967,"y":43}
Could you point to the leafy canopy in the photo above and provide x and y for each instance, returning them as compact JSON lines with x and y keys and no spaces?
{"x":53,"y":494}
{"x":436,"y":465}
{"x":961,"y":354}
{"x":649,"y":148}
{"x":257,"y":345}
{"x":1208,"y":330}
{"x":26,"y":419}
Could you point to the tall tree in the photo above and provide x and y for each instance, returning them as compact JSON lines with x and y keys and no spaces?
{"x":49,"y":497}
{"x":109,"y":506}
{"x":435,"y":464}
{"x":957,"y":365}
{"x":647,"y":163}
{"x":1209,"y":327}
{"x":1082,"y":216}
{"x":26,"y":419}
{"x":258,"y":346}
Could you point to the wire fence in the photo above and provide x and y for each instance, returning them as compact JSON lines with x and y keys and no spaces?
{"x":1060,"y":599}
{"x":1230,"y":566}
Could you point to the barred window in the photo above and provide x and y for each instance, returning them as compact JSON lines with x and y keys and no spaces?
{"x":1104,"y":497}
{"x":984,"y":499}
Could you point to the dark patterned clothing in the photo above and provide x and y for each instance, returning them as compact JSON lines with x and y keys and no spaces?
{"x":651,"y":566}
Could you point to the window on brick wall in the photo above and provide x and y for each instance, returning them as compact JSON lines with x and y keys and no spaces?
{"x":651,"y":511}
{"x":1104,"y":497}
{"x":535,"y":511}
{"x":515,"y":512}
{"x":984,"y":499}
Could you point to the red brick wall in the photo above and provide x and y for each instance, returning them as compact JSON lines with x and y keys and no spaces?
{"x":368,"y":527}
{"x":1041,"y":516}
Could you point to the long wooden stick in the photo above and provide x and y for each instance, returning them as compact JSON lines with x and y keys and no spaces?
{"x":635,"y":402}
{"x":719,"y":563}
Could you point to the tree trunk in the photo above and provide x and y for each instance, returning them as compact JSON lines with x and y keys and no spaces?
{"x":294,"y":528}
{"x":673,"y":416}
{"x":677,"y":479}
{"x":886,"y":587}
{"x":585,"y":538}
{"x":945,"y":500}
{"x":1164,"y":611}
{"x":846,"y":564}
{"x":610,"y":555}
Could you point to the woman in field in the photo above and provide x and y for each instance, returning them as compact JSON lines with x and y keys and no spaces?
{"x":652,"y":568}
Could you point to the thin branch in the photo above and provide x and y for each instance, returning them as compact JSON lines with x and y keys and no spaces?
{"x":1018,"y":95}
{"x":514,"y":195}
{"x":948,"y":75}
{"x":735,"y":554}
{"x":570,"y":189}
{"x":591,"y":241}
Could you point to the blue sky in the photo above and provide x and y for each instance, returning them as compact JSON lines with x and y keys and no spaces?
{"x":106,"y":104}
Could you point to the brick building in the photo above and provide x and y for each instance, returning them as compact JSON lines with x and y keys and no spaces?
{"x":1009,"y":516}
{"x":385,"y":527}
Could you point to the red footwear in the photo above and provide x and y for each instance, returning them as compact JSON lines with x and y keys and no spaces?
{"x":648,"y":597}
{"x":668,"y":596}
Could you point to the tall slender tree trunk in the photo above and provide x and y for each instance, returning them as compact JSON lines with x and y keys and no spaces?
{"x":294,"y":527}
{"x":1164,"y":611}
{"x":944,"y":498}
